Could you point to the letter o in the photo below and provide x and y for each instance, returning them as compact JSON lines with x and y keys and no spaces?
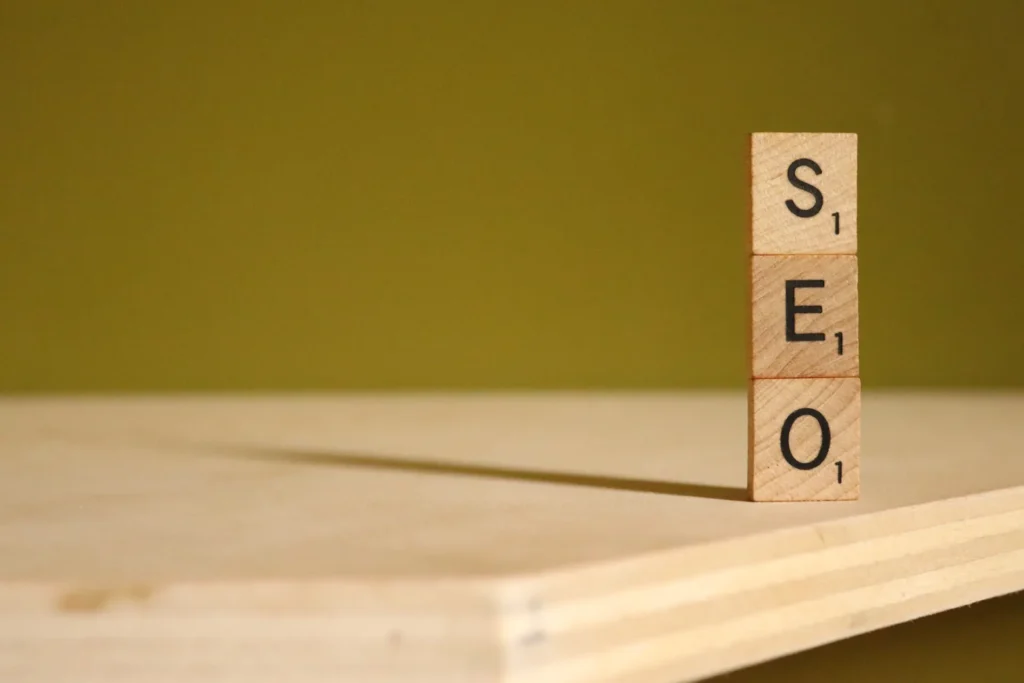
{"x":826,"y":438}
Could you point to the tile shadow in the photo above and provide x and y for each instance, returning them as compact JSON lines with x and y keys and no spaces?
{"x":404,"y":464}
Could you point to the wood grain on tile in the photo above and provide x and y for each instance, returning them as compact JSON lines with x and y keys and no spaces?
{"x":803,"y":193}
{"x":804,"y":316}
{"x":806,"y":439}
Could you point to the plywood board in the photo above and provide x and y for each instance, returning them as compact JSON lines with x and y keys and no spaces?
{"x":564,"y":537}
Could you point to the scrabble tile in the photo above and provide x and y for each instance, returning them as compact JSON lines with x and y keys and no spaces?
{"x":803,"y":193}
{"x":804,"y":439}
{"x":804,"y":316}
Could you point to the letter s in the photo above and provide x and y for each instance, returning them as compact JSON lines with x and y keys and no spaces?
{"x":819,"y":201}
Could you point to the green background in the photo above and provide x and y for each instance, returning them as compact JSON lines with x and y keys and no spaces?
{"x":405,"y":195}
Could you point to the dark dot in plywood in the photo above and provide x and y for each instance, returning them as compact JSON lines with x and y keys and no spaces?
{"x":533,"y":638}
{"x":536,"y":635}
{"x":98,"y":599}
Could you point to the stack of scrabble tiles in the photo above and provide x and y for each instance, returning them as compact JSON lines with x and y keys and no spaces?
{"x":805,"y":392}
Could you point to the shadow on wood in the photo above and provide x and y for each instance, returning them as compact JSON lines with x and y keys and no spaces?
{"x":405,"y":464}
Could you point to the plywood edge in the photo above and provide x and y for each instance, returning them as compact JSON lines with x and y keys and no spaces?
{"x":708,"y":610}
{"x":251,"y":631}
{"x":299,"y":596}
{"x":731,"y":656}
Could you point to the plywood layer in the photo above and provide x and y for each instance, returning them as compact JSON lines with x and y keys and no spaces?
{"x":561,"y":537}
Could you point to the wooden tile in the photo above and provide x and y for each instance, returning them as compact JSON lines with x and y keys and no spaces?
{"x":804,"y":316}
{"x":805,"y":439}
{"x":803,"y":193}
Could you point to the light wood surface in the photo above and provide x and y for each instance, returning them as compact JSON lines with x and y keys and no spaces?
{"x":564,"y":537}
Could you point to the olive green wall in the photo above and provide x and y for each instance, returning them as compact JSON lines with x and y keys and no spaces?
{"x":251,"y":195}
